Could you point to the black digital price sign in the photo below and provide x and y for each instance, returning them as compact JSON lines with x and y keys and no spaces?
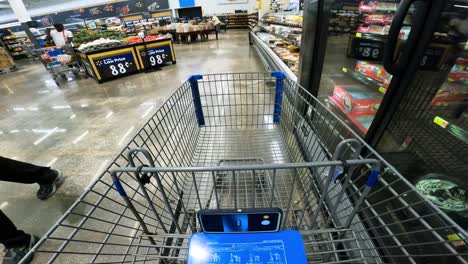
{"x":434,"y":56}
{"x":155,"y":57}
{"x":113,"y":64}
{"x":366,"y":49}
{"x":156,"y":54}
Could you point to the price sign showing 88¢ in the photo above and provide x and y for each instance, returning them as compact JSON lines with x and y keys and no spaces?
{"x":116,"y":65}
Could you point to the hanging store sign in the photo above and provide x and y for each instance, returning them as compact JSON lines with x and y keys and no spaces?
{"x":116,"y":8}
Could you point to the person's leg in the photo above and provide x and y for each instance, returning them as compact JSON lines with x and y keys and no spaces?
{"x":17,"y":243}
{"x":22,"y":172}
{"x":10,"y":236}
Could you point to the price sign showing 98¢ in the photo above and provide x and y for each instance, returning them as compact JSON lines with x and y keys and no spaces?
{"x":366,"y":49}
{"x":155,"y":57}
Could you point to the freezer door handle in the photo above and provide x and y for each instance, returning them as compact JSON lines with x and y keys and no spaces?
{"x":396,"y":63}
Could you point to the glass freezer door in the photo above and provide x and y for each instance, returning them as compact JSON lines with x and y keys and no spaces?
{"x":353,"y":80}
{"x":427,"y":137}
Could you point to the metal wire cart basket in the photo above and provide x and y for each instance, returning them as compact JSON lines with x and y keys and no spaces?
{"x":251,"y":140}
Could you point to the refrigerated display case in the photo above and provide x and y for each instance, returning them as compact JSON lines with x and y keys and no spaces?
{"x":426,"y":136}
{"x":277,"y":39}
{"x":355,"y":44}
{"x":396,"y":73}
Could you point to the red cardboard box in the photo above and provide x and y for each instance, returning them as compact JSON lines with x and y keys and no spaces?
{"x":374,"y":71}
{"x":450,"y":94}
{"x":356,"y":99}
{"x":459,"y":72}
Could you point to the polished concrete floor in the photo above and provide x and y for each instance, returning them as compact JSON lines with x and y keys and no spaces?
{"x":81,"y":125}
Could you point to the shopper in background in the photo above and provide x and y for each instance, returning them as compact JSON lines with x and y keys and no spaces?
{"x":17,"y":243}
{"x":61,"y":36}
{"x":216,"y":23}
{"x":48,"y":38}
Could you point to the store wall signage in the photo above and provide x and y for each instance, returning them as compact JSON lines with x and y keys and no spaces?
{"x":109,"y":10}
{"x":186,"y":3}
{"x":366,"y":49}
{"x":113,"y":64}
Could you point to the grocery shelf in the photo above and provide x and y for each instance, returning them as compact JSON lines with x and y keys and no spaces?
{"x":269,"y":58}
{"x":365,"y":79}
{"x":281,"y":24}
{"x":281,"y":37}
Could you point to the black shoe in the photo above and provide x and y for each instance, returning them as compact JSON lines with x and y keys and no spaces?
{"x":47,"y":190}
{"x":15,"y":255}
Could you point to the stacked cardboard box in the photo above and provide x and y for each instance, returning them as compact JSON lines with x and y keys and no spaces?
{"x":5,"y":59}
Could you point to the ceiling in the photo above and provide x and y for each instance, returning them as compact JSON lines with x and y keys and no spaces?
{"x":29,"y":3}
{"x":5,"y":9}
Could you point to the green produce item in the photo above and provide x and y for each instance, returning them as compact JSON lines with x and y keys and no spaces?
{"x":87,"y":35}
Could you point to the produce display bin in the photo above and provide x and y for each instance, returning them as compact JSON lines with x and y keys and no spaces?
{"x":116,"y":62}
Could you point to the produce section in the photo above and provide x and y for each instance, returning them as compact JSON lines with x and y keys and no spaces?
{"x":111,"y":59}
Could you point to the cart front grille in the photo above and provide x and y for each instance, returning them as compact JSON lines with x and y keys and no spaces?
{"x":238,"y":141}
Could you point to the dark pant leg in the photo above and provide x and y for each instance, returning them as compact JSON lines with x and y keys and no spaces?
{"x":10,"y":236}
{"x":22,"y":172}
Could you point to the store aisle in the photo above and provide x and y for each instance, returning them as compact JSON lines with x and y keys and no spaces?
{"x":80,"y":126}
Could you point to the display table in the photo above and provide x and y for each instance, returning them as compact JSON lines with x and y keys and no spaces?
{"x":112,"y":63}
{"x":191,"y":36}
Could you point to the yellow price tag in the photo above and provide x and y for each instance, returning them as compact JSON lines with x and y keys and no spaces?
{"x":457,"y":241}
{"x":382,"y":89}
{"x":358,"y":35}
{"x":441,"y":122}
{"x":344,"y":69}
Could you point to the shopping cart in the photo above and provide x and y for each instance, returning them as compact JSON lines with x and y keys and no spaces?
{"x":251,"y":140}
{"x":59,"y":61}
